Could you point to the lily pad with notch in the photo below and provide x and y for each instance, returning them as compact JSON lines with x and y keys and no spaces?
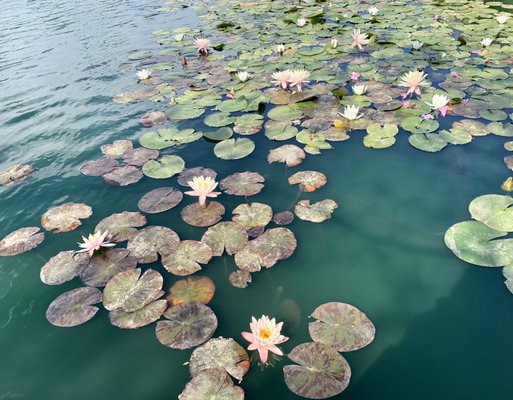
{"x":193,"y":288}
{"x":74,"y":307}
{"x":65,"y":217}
{"x":188,"y":256}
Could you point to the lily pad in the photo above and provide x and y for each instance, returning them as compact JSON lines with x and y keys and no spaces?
{"x":164,"y":138}
{"x":475,"y":128}
{"x":228,"y":236}
{"x":252,"y":215}
{"x":117,"y":149}
{"x":194,"y":288}
{"x":160,"y":200}
{"x":240,"y":279}
{"x":243,"y":183}
{"x":103,"y":267}
{"x":289,"y":154}
{"x":418,"y":125}
{"x":154,"y":118}
{"x":219,"y":134}
{"x":65,"y":217}
{"x":494,"y":211}
{"x":74,"y":307}
{"x":234,"y":149}
{"x":380,"y":137}
{"x":184,"y":111}
{"x":15,"y":173}
{"x":99,"y":167}
{"x":20,"y":241}
{"x":217,"y":120}
{"x":430,"y":142}
{"x":283,"y":218}
{"x":63,"y":267}
{"x":189,"y":174}
{"x":164,"y":167}
{"x":204,"y":215}
{"x":148,"y":243}
{"x":140,"y":156}
{"x":187,"y":258}
{"x":189,"y":325}
{"x":341,"y":326}
{"x":123,"y":176}
{"x":316,"y":212}
{"x":280,"y":130}
{"x":308,"y":181}
{"x":121,"y":226}
{"x":139,"y":318}
{"x":211,"y":384}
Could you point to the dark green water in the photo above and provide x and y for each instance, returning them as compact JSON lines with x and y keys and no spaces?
{"x":444,"y":327}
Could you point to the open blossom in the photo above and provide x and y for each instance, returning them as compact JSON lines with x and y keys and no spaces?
{"x":427,"y":116}
{"x":439,"y":102}
{"x":243,"y":76}
{"x":501,"y":19}
{"x":413,"y":80}
{"x":297,"y":78}
{"x":373,"y":11}
{"x":280,"y":48}
{"x":144,"y":74}
{"x":359,"y":39}
{"x":455,"y":75}
{"x":351,"y":113}
{"x":486,"y":42}
{"x":93,"y":243}
{"x":301,"y":21}
{"x":202,"y":187}
{"x":359,"y":89}
{"x":416,"y":45}
{"x":355,"y":76}
{"x":281,"y":78}
{"x":334,"y":43}
{"x":179,"y":37}
{"x":264,"y":336}
{"x":202,"y":45}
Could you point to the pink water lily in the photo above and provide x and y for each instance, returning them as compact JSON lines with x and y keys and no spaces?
{"x":428,"y":116}
{"x":355,"y":76}
{"x":413,"y":80}
{"x":264,"y":336}
{"x":359,"y":39}
{"x":94,"y":242}
{"x":297,"y":78}
{"x":455,"y":75}
{"x":202,"y":187}
{"x":202,"y":45}
{"x":281,"y":78}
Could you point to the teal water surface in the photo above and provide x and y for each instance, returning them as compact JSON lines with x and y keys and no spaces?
{"x":444,"y":327}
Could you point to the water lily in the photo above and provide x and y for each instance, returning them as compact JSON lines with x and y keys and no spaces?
{"x":354,"y":76}
{"x":179,"y":37}
{"x":413,"y":80}
{"x":486,"y":42}
{"x":359,"y":39}
{"x":280,"y":48}
{"x":301,"y":21}
{"x":373,"y":11}
{"x":359,"y":89}
{"x":243,"y":76}
{"x":202,"y":45}
{"x":334,"y":43}
{"x":427,"y":116}
{"x":436,"y":17}
{"x":281,"y":78}
{"x":94,"y":242}
{"x":501,"y":19}
{"x":439,"y":102}
{"x":144,"y":74}
{"x":202,"y":187}
{"x":406,"y":104}
{"x":455,"y":75}
{"x":416,"y":45}
{"x":264,"y":336}
{"x":351,"y":113}
{"x":297,"y":78}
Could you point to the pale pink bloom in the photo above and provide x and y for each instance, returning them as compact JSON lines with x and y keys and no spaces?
{"x":477,"y":52}
{"x":359,"y":39}
{"x":202,"y":45}
{"x":355,"y":76}
{"x":427,"y":116}
{"x":406,"y":104}
{"x":413,"y":80}
{"x":455,"y":74}
{"x":264,"y":336}
{"x":297,"y":78}
{"x":436,"y":17}
{"x":93,"y":243}
{"x":202,"y":187}
{"x":281,"y":78}
{"x":230,"y":94}
{"x":443,"y":110}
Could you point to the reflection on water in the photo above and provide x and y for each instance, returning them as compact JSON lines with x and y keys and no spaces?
{"x":443,"y":327}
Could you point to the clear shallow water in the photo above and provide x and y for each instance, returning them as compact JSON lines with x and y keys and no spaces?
{"x":443,"y":327}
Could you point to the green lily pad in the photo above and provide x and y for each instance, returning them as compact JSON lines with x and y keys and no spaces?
{"x":219,"y":134}
{"x":20,"y":241}
{"x":211,"y":384}
{"x":456,"y":136}
{"x":380,"y":137}
{"x":63,"y":267}
{"x":493,"y":115}
{"x":74,"y":308}
{"x":181,"y":112}
{"x":500,"y":129}
{"x":243,"y":183}
{"x":164,"y":167}
{"x":289,"y":154}
{"x":186,"y":259}
{"x":284,"y":113}
{"x":418,"y":125}
{"x":494,"y":211}
{"x":234,"y":149}
{"x":217,"y":120}
{"x":280,"y":130}
{"x":148,"y":243}
{"x":164,"y":138}
{"x":475,"y":128}
{"x":105,"y":266}
{"x":139,"y":318}
{"x":252,"y":215}
{"x":139,"y":55}
{"x":228,"y":236}
{"x":160,"y":200}
{"x":204,"y":215}
{"x":123,"y":176}
{"x":232,"y":105}
{"x":121,"y":226}
{"x":430,"y":142}
{"x":193,"y":288}
{"x":66,"y":217}
{"x":189,"y":325}
{"x":308,"y":181}
{"x":316,"y":212}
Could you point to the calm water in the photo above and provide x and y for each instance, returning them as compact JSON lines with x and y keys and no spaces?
{"x":444,"y":327}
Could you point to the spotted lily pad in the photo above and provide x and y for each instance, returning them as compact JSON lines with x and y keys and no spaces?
{"x":160,"y":200}
{"x":252,"y":215}
{"x":103,"y":267}
{"x":225,"y":235}
{"x":131,"y":291}
{"x":316,"y":212}
{"x":189,"y":325}
{"x":117,"y":149}
{"x":342,"y":326}
{"x":283,"y":218}
{"x":240,"y":279}
{"x":494,"y":211}
{"x":15,"y":173}
{"x":234,"y":149}
{"x":148,"y":243}
{"x":204,"y":215}
{"x":74,"y":307}
{"x":164,"y":167}
{"x":20,"y":241}
{"x":65,"y":217}
{"x":121,"y":226}
{"x":139,"y":318}
{"x":289,"y":154}
{"x":211,"y":384}
{"x":154,"y":118}
{"x":99,"y":167}
{"x":308,"y":180}
{"x":189,"y":174}
{"x":123,"y":176}
{"x":243,"y":183}
{"x":63,"y":267}
{"x":140,"y":156}
{"x":194,"y":288}
{"x":220,"y":353}
{"x":321,"y":373}
{"x":186,"y":259}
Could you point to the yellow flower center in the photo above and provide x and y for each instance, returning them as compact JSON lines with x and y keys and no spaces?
{"x":265,"y":333}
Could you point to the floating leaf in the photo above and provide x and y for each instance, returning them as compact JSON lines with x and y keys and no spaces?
{"x":117,"y":149}
{"x":63,"y":267}
{"x":184,"y":111}
{"x":283,"y":218}
{"x":418,"y":125}
{"x":204,"y":215}
{"x":321,"y":372}
{"x":189,"y":174}
{"x":240,"y":279}
{"x":74,"y":307}
{"x":190,"y":324}
{"x":308,"y":180}
{"x":225,"y":235}
{"x":220,"y":353}
{"x":148,"y":243}
{"x":121,"y":226}
{"x":15,"y":173}
{"x":494,"y":211}
{"x":341,"y":326}
{"x":380,"y":137}
{"x":131,"y":291}
{"x":285,"y":113}
{"x":219,"y":134}
{"x":164,"y":138}
{"x":234,"y":149}
{"x":475,"y":128}
{"x":65,"y":217}
{"x":194,"y":288}
{"x":316,"y":212}
{"x":20,"y":241}
{"x":217,"y":120}
{"x":430,"y":142}
{"x":280,"y":130}
{"x":164,"y":167}
{"x":243,"y":183}
{"x":103,"y":267}
{"x":140,"y":156}
{"x":154,"y":118}
{"x":211,"y":384}
{"x":160,"y":200}
{"x":252,"y":215}
{"x":123,"y":176}
{"x":99,"y":167}
{"x":187,"y":258}
{"x":139,"y":318}
{"x":289,"y":154}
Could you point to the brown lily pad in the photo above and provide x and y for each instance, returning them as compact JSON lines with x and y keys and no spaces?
{"x":117,"y":149}
{"x":194,"y":288}
{"x":160,"y":200}
{"x":139,"y":318}
{"x":204,"y":215}
{"x":20,"y":241}
{"x":121,"y":226}
{"x":123,"y":176}
{"x":99,"y":167}
{"x":103,"y":267}
{"x":154,"y":118}
{"x":15,"y":173}
{"x":243,"y":183}
{"x":289,"y":154}
{"x":189,"y":174}
{"x":252,"y":215}
{"x":316,"y":212}
{"x":74,"y":307}
{"x":63,"y":267}
{"x":212,"y":384}
{"x":140,"y":156}
{"x":228,"y":236}
{"x":308,"y":181}
{"x":240,"y":279}
{"x":65,"y":217}
{"x":187,"y":258}
{"x":283,"y":218}
{"x":147,"y":244}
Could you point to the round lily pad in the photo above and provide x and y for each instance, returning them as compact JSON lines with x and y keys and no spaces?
{"x":240,"y":279}
{"x":321,"y":373}
{"x":139,"y":55}
{"x":342,"y":326}
{"x":164,"y":138}
{"x":117,"y":149}
{"x":234,"y":149}
{"x":139,"y":318}
{"x":219,"y":134}
{"x":418,"y":125}
{"x":121,"y":226}
{"x":316,"y":212}
{"x":131,"y":291}
{"x":194,"y":288}
{"x":283,"y":218}
{"x":219,"y":119}
{"x":164,"y":167}
{"x":103,"y":267}
{"x":74,"y":307}
{"x":20,"y":241}
{"x":184,"y":111}
{"x":308,"y":180}
{"x":494,"y":211}
{"x":289,"y":154}
{"x":123,"y":176}
{"x":154,"y":118}
{"x":211,"y":384}
{"x":15,"y":173}
{"x":475,"y":128}
{"x":160,"y":200}
{"x":187,"y":258}
{"x":228,"y":236}
{"x":430,"y":142}
{"x":252,"y":215}
{"x":243,"y":183}
{"x":140,"y":156}
{"x":65,"y":217}
{"x":99,"y":167}
{"x":63,"y":267}
{"x":280,"y":130}
{"x":204,"y":215}
{"x":189,"y":325}
{"x":148,"y":243}
{"x":220,"y":353}
{"x":189,"y":174}
{"x":285,"y":113}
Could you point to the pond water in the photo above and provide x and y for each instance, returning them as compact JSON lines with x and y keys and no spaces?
{"x":444,"y":327}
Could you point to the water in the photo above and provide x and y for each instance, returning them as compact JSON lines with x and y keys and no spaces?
{"x":443,"y":327}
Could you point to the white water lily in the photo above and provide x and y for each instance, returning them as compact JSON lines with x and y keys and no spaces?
{"x":501,"y":19}
{"x":144,"y":74}
{"x":359,"y":89}
{"x":416,"y":45}
{"x":334,"y":43}
{"x":486,"y":42}
{"x":179,"y":37}
{"x":373,"y":11}
{"x":351,"y":113}
{"x":280,"y":48}
{"x":301,"y":21}
{"x":243,"y":76}
{"x":438,"y":101}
